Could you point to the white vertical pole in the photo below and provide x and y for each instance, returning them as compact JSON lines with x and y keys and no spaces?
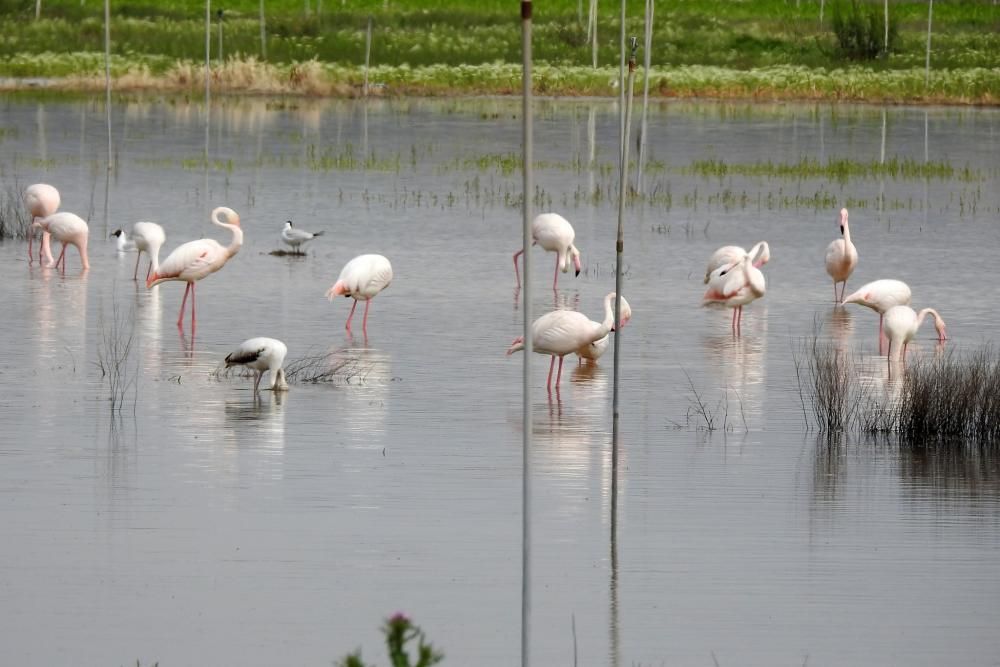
{"x":927,"y":66}
{"x":221,"y":57}
{"x":886,"y":3}
{"x":263,"y":33}
{"x":107,"y":72}
{"x":592,"y":32}
{"x":368,"y":55}
{"x":38,"y":9}
{"x":646,"y":57}
{"x":621,"y":83}
{"x":526,"y":420}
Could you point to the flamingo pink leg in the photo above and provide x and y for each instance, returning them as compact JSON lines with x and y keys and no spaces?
{"x":194,"y":313}
{"x":555,"y":278}
{"x":348,"y":325}
{"x":180,"y":318}
{"x":559,"y":374}
{"x":548,"y":382}
{"x":364,"y":322}
{"x":516,"y":272}
{"x":62,"y":258}
{"x":31,"y":242}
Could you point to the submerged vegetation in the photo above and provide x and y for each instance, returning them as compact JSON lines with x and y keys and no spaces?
{"x":770,"y":49}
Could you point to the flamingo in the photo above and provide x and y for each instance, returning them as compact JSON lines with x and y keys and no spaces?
{"x":563,"y":332}
{"x":147,"y":237}
{"x":760,"y":255}
{"x":41,"y":200}
{"x":261,"y":354}
{"x":194,"y":260}
{"x":554,"y":233}
{"x":880,"y":296}
{"x":68,"y":229}
{"x":841,"y":258}
{"x":901,"y":325}
{"x":596,"y":350}
{"x":362,"y":278}
{"x":733,"y":286}
{"x":297,"y":237}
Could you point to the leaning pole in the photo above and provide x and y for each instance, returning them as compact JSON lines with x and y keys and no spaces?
{"x":526,"y":309}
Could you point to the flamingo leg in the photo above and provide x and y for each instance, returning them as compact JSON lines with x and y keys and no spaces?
{"x":348,"y":325}
{"x":256,"y":381}
{"x":548,"y":382}
{"x":194,"y":315}
{"x":905,"y":345}
{"x":136,"y":272}
{"x":148,"y":269}
{"x":734,"y":319}
{"x":559,"y":374}
{"x":516,"y":272}
{"x":555,"y":277}
{"x":31,"y":241}
{"x":180,"y":317}
{"x":62,"y":258}
{"x":364,"y":322}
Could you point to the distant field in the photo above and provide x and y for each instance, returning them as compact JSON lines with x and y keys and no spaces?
{"x":741,"y":36}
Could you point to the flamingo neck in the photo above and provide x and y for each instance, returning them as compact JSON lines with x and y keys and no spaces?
{"x":758,"y":253}
{"x":938,"y":321}
{"x":609,"y":317}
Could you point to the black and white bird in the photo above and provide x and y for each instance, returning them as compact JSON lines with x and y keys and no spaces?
{"x":297,"y":237}
{"x":261,"y":354}
{"x":147,"y":237}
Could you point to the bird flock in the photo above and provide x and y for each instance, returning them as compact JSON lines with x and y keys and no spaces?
{"x":733,"y":277}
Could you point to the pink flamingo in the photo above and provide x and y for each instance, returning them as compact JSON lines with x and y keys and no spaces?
{"x":41,"y":200}
{"x":147,"y":237}
{"x":554,"y":233}
{"x":194,"y":260}
{"x":563,"y":332}
{"x":596,"y":350}
{"x":68,"y":229}
{"x":734,"y":286}
{"x":880,"y":296}
{"x":901,"y":325}
{"x":841,"y":258}
{"x":760,"y":255}
{"x":362,"y":278}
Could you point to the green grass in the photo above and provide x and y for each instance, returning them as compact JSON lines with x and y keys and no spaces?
{"x":727,"y":48}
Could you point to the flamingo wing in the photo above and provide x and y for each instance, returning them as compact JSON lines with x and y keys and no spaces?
{"x":191,"y":261}
{"x":562,"y":332}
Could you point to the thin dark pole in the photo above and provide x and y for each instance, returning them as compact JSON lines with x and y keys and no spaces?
{"x":526,"y":309}
{"x":107,"y":72}
{"x":619,"y":251}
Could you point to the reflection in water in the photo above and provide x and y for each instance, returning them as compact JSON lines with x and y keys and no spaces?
{"x":840,"y":327}
{"x":364,"y":400}
{"x":741,"y":372}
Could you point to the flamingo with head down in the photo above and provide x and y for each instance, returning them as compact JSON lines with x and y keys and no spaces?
{"x":362,"y":278}
{"x":901,"y":325}
{"x":596,"y":350}
{"x":41,"y":200}
{"x":192,"y":261}
{"x":880,"y":296}
{"x":68,"y":229}
{"x":554,"y":233}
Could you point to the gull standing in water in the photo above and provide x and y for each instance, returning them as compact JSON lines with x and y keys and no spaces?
{"x":297,"y":237}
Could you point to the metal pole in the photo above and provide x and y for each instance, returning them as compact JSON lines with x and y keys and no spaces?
{"x":38,"y":9}
{"x":526,"y":309}
{"x":107,"y":72}
{"x":621,"y":83}
{"x":619,"y":250}
{"x":368,"y":55}
{"x":886,"y":27}
{"x":927,"y":66}
{"x":263,"y":33}
{"x":646,"y":57}
{"x":221,"y":57}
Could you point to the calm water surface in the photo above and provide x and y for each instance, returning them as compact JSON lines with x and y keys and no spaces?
{"x":201,"y":526}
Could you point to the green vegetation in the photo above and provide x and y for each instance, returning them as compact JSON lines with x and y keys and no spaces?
{"x":399,"y":631}
{"x":769,"y":49}
{"x":861,"y":31}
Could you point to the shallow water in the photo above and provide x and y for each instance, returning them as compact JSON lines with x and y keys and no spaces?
{"x":199,"y":525}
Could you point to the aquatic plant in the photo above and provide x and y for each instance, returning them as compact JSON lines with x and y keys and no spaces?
{"x":400,"y":631}
{"x":861,"y":30}
{"x":114,"y":352}
{"x":14,"y":221}
{"x":311,"y":369}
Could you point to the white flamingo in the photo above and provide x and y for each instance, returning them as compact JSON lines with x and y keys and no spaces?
{"x":901,"y":325}
{"x":841,"y":258}
{"x":194,"y":260}
{"x":760,"y":255}
{"x":596,"y":350}
{"x":734,"y":286}
{"x":362,"y":278}
{"x":880,"y":296}
{"x":41,"y":200}
{"x":147,"y":237}
{"x":68,"y":229}
{"x":261,"y":354}
{"x":554,"y":233}
{"x":297,"y":237}
{"x":563,"y":332}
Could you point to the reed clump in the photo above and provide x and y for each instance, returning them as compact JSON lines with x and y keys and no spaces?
{"x":946,"y":398}
{"x":114,"y":352}
{"x":327,"y":367}
{"x":14,"y":220}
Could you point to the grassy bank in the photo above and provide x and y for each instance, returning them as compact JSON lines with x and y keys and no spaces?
{"x":773,"y":49}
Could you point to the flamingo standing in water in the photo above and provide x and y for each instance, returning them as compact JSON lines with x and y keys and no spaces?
{"x":194,"y":260}
{"x":734,"y":286}
{"x":68,"y":229}
{"x":901,"y":325}
{"x":147,"y":237}
{"x":41,"y":200}
{"x":596,"y":350}
{"x":362,"y":278}
{"x":554,"y":233}
{"x":563,"y":332}
{"x":261,"y":354}
{"x":880,"y":296}
{"x":841,"y":258}
{"x":760,"y":255}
